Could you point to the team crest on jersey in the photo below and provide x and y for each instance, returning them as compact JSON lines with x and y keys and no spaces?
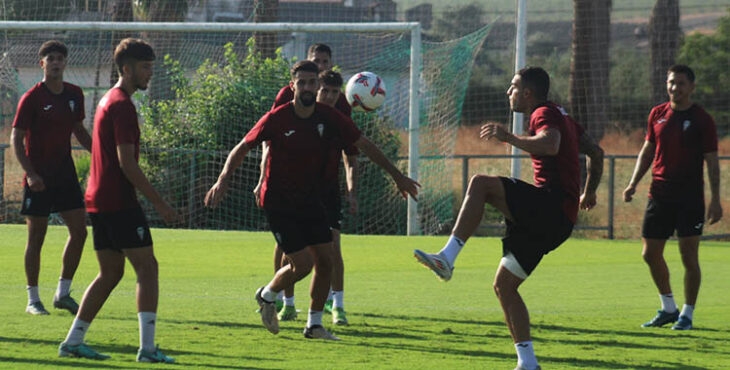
{"x":320,"y":129}
{"x":72,"y":105}
{"x":140,"y":232}
{"x":685,"y":125}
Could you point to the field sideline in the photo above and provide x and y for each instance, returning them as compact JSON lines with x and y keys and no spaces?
{"x":586,"y":300}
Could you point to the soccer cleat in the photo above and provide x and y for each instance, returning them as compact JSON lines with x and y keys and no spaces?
{"x":80,"y":350}
{"x":338,"y":316}
{"x":66,"y":303}
{"x":36,"y":308}
{"x":684,"y":323}
{"x":156,"y":356}
{"x":268,"y":313}
{"x":328,"y":306}
{"x":288,"y":313}
{"x":662,"y":318}
{"x":318,"y":332}
{"x":436,"y":262}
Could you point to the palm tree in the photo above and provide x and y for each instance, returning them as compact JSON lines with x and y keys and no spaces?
{"x":664,"y":36}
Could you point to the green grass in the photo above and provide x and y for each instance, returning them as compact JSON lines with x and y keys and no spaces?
{"x":587,"y":300}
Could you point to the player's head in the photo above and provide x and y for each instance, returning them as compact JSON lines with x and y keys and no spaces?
{"x":304,"y":82}
{"x":134,"y":59}
{"x":529,"y":86}
{"x":330,"y":86}
{"x":320,"y":54}
{"x":680,"y":83}
{"x":52,"y":56}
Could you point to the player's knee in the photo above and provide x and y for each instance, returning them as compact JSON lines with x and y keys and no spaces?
{"x":650,"y":256}
{"x":111,"y":276}
{"x":482,"y":185}
{"x":79,"y":234}
{"x":147,"y":269}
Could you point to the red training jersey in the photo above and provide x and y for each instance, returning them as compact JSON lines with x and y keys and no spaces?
{"x":298,"y":152}
{"x":48,"y":120}
{"x":681,"y":138}
{"x":115,"y":123}
{"x":561,"y":171}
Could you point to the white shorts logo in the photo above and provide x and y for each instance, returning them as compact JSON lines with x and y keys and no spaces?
{"x":71,"y":105}
{"x":685,"y":125}
{"x":140,"y":232}
{"x":277,"y":236}
{"x":320,"y":129}
{"x":27,"y":203}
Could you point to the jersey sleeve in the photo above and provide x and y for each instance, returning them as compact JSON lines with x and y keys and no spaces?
{"x":650,"y":136}
{"x":124,"y":120}
{"x":284,"y":96}
{"x":348,"y":129}
{"x":545,"y":118}
{"x":260,"y":131}
{"x":709,"y":134}
{"x":25,"y":113}
{"x":343,"y":106}
{"x":81,"y":109}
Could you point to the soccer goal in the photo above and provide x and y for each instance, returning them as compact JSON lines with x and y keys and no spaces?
{"x":214,"y":80}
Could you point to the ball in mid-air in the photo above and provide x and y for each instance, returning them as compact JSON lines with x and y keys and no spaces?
{"x":365,"y":91}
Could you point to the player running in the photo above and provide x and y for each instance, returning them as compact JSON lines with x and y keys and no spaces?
{"x":680,"y":136}
{"x":321,"y":55}
{"x":539,"y":217}
{"x":47,"y":115}
{"x":302,"y":134}
{"x":119,"y":224}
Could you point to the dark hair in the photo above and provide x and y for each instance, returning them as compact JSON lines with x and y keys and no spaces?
{"x":681,"y":68}
{"x":304,"y":66}
{"x":52,"y":46}
{"x":537,"y":80}
{"x":319,"y":48}
{"x":131,"y":49}
{"x":330,"y":78}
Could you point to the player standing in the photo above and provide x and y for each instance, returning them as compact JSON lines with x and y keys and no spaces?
{"x":302,"y":135}
{"x":680,"y":136}
{"x":119,"y":224}
{"x":539,"y":217}
{"x":47,"y":115}
{"x":321,"y":55}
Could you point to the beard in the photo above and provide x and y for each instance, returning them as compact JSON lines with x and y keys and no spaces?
{"x":307,"y":98}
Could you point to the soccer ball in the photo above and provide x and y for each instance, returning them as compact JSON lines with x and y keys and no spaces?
{"x":365,"y":91}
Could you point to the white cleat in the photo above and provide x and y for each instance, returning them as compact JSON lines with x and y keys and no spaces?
{"x":268,"y":313}
{"x":318,"y":332}
{"x":436,"y":263}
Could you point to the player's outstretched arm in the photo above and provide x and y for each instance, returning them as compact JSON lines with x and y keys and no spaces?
{"x":714,"y":211}
{"x":234,"y":160}
{"x":594,"y":165}
{"x":131,"y":170}
{"x":82,"y":135}
{"x":643,"y":162}
{"x":545,"y":142}
{"x":405,"y":184}
{"x":17,"y":138}
{"x":262,"y":167}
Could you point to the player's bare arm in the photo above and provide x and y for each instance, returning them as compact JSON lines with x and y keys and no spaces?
{"x":405,"y":184}
{"x":82,"y":135}
{"x":234,"y":160}
{"x":131,"y":170}
{"x":262,"y":167}
{"x":545,"y":142}
{"x":643,"y":162}
{"x":594,"y":166}
{"x":714,"y":210}
{"x":35,"y":182}
{"x":351,"y":173}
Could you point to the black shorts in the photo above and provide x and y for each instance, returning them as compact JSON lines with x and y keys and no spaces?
{"x":119,"y":230}
{"x":296,"y":231}
{"x":662,"y":218}
{"x":539,"y":223}
{"x":52,"y":199}
{"x":333,"y":207}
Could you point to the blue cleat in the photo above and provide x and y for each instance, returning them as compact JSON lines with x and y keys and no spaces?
{"x":662,"y":318}
{"x":80,"y":350}
{"x":684,"y":323}
{"x":156,"y":356}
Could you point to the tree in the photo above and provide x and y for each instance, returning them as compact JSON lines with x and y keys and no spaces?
{"x":664,"y":36}
{"x":265,"y":11}
{"x":457,"y":22}
{"x":589,"y":67}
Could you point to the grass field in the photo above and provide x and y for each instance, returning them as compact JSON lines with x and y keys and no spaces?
{"x":587,"y":300}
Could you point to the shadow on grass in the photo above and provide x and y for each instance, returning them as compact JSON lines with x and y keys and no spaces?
{"x":60,"y":363}
{"x":425,"y":318}
{"x":644,"y":332}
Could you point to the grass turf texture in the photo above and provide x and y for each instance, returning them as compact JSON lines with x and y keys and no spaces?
{"x":587,"y":300}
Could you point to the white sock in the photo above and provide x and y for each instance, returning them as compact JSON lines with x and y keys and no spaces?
{"x":269,"y":295}
{"x":147,"y":321}
{"x":33,"y":294}
{"x":526,"y":355}
{"x":289,"y":301}
{"x":77,"y":332}
{"x":64,"y":287}
{"x":687,"y":310}
{"x":329,"y":296}
{"x":338,"y":299}
{"x":452,"y":248}
{"x":314,"y":318}
{"x":668,"y":304}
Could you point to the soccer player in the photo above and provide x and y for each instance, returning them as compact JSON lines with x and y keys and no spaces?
{"x":302,"y":135}
{"x":680,"y":136}
{"x":321,"y":55}
{"x":47,"y":115}
{"x":539,"y":217}
{"x":119,"y":224}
